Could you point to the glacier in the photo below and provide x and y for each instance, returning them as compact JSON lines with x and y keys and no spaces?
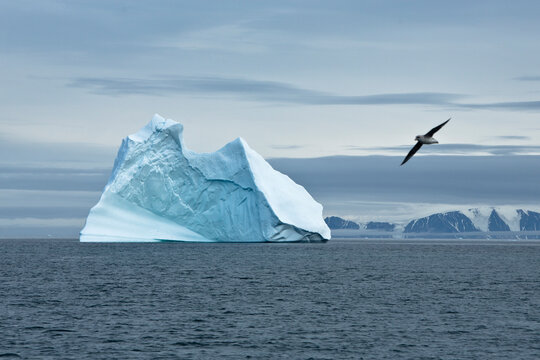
{"x":159,"y":190}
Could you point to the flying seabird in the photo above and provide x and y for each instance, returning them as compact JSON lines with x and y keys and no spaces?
{"x":424,"y":139}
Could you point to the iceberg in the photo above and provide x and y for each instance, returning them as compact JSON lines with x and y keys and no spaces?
{"x":161,"y":191}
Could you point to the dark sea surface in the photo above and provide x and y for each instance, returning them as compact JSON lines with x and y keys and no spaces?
{"x":346,"y":299}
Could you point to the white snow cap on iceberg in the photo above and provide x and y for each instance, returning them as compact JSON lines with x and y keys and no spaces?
{"x":160,"y":190}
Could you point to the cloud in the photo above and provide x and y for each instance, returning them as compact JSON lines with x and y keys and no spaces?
{"x":21,"y":178}
{"x":29,"y":221}
{"x":286,"y":147}
{"x":37,"y":213}
{"x":463,"y":180}
{"x":461,"y":149}
{"x":510,"y":105}
{"x":44,"y":212}
{"x":42,"y":154}
{"x":255,"y":90}
{"x":512,"y":137}
{"x":278,"y":92}
{"x":29,"y":227}
{"x":113,"y":26}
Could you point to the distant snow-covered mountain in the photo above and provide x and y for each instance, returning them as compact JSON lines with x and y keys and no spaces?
{"x":335,"y":222}
{"x":473,"y":221}
{"x":528,"y":220}
{"x":450,"y":222}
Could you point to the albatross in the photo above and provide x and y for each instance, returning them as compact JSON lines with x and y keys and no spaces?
{"x":427,"y":139}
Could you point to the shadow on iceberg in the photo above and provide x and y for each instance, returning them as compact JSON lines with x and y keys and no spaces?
{"x":161,"y":191}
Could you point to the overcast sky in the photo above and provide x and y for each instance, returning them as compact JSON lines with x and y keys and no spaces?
{"x":295,"y":79}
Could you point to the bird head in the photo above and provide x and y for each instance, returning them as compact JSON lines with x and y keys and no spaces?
{"x":417,"y":138}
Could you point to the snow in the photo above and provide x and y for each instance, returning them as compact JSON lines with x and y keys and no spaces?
{"x":128,"y":223}
{"x":160,"y":190}
{"x":480,"y":216}
{"x":510,"y":217}
{"x":283,"y":194}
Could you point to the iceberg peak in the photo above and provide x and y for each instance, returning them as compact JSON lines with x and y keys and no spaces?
{"x":158,"y":123}
{"x":160,"y":190}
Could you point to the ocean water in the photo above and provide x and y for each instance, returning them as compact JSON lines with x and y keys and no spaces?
{"x":60,"y":299}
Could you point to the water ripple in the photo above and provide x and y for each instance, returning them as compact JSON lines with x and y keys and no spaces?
{"x":340,"y":300}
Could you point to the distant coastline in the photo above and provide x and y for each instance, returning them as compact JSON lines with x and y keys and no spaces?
{"x":479,"y":235}
{"x":473,"y":223}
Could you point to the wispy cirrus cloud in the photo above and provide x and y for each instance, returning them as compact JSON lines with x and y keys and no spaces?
{"x":287,"y":147}
{"x":512,"y":137}
{"x":279,"y":92}
{"x":504,"y":105}
{"x":248,"y":89}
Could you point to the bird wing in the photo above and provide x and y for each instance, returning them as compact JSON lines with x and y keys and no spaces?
{"x":432,"y":132}
{"x":412,"y":152}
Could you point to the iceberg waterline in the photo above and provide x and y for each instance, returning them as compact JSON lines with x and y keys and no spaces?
{"x":160,"y":190}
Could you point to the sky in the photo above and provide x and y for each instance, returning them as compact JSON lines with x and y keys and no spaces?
{"x":337,"y":89}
